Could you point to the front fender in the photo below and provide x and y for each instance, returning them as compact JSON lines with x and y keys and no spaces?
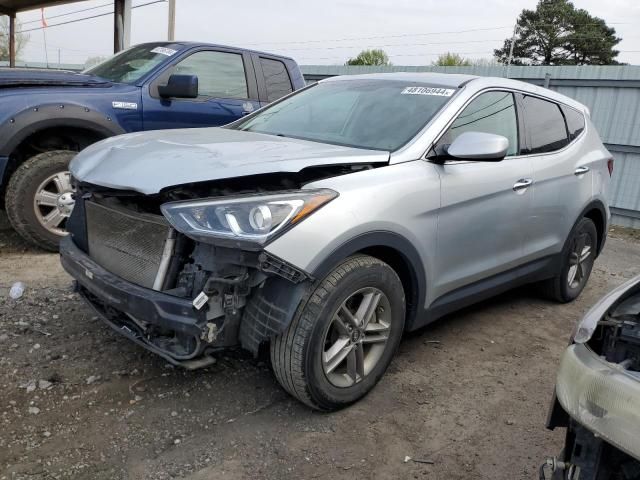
{"x":29,"y":121}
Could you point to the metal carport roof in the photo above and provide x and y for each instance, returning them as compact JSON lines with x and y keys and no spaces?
{"x":9,"y":7}
{"x":121,"y":25}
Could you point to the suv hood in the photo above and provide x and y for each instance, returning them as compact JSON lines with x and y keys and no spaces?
{"x":48,"y":78}
{"x":148,"y":162}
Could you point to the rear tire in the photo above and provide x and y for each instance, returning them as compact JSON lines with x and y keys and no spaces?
{"x":46,"y":175}
{"x":341,"y":341}
{"x":577,"y":262}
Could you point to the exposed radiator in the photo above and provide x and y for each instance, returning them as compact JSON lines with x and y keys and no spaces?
{"x":127,"y":244}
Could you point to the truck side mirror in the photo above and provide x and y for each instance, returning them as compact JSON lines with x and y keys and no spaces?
{"x":180,"y":86}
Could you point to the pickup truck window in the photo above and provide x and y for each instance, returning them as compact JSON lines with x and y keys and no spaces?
{"x":371,"y":114}
{"x":220,"y":74}
{"x":132,"y":64}
{"x":276,"y":78}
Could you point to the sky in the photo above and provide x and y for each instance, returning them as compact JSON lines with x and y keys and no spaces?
{"x":320,"y":32}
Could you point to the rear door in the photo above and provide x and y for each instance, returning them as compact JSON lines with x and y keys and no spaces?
{"x":562,"y":177}
{"x":484,"y":205}
{"x":227,"y":90}
{"x":275,"y":79}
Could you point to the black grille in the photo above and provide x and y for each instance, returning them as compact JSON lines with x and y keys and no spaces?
{"x":125,"y":243}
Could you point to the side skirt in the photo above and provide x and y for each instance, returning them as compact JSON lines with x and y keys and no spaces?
{"x":535,"y":271}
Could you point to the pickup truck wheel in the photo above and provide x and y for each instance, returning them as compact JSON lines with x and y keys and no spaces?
{"x":577,"y":262}
{"x":342,"y":340}
{"x":39,"y":198}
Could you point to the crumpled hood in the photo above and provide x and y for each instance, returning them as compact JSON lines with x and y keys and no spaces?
{"x":48,"y":78}
{"x":148,"y":162}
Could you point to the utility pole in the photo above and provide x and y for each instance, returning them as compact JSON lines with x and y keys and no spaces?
{"x":171,"y":32}
{"x":513,"y":42}
{"x":12,"y":40}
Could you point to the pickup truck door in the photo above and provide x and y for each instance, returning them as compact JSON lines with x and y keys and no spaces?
{"x":227,"y":90}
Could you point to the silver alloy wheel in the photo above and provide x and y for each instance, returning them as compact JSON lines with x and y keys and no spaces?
{"x":580,"y":253}
{"x":356,"y":337}
{"x":53,"y":202}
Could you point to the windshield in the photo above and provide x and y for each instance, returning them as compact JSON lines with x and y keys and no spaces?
{"x":371,"y":114}
{"x":132,"y":64}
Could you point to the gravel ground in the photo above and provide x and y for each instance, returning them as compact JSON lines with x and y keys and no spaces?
{"x":469,"y":393}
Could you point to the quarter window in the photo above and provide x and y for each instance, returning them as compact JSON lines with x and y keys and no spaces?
{"x":575,"y":122}
{"x":491,"y":112}
{"x":220,"y":74}
{"x":545,"y":126}
{"x":276,"y":78}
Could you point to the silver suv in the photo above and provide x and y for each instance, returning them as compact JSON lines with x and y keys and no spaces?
{"x":325,"y":225}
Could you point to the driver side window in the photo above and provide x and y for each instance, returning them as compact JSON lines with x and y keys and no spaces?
{"x":220,"y":74}
{"x":491,"y":112}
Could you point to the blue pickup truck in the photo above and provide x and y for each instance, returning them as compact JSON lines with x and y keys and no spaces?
{"x":46,"y":116}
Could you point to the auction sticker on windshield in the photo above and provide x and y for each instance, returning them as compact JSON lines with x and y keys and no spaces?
{"x":441,"y":92}
{"x":164,"y":51}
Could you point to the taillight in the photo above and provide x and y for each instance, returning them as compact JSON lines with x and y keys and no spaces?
{"x":610,"y":166}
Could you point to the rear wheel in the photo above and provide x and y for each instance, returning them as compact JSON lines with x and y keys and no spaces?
{"x":341,"y":342}
{"x":39,"y":198}
{"x":578,"y":258}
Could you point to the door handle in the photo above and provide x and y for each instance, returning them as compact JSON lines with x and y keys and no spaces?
{"x":522,"y":184}
{"x":581,"y":170}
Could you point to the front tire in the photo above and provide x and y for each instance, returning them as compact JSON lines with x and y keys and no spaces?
{"x":39,"y":198}
{"x":577,"y":262}
{"x":342,"y":340}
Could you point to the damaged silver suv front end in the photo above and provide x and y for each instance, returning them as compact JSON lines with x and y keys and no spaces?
{"x":181,"y":269}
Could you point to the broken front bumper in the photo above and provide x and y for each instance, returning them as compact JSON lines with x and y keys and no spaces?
{"x":601,"y":396}
{"x":109,"y":295}
{"x":125,"y":307}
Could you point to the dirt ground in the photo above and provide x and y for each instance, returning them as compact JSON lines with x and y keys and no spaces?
{"x":469,"y":394}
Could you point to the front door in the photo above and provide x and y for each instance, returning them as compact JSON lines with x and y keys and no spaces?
{"x":484,"y":205}
{"x":226,"y":91}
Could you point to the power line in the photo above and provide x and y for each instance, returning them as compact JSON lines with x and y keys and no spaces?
{"x":444,"y":53}
{"x":418,"y":34}
{"x":381,"y":36}
{"x":88,"y":18}
{"x":70,"y":13}
{"x":391,"y":45}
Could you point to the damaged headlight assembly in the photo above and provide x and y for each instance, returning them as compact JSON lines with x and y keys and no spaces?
{"x":248,"y":218}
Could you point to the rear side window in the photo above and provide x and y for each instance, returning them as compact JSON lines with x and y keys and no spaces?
{"x":545,"y":126}
{"x":575,"y":122}
{"x":491,"y":112}
{"x":276,"y":78}
{"x":220,"y":74}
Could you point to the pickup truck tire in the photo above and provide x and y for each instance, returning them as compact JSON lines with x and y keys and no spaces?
{"x":577,"y":262}
{"x":342,"y":340}
{"x":47,"y":176}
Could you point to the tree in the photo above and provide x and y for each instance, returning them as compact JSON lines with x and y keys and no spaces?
{"x":451,"y":60}
{"x":370,"y":57}
{"x":557,"y":33}
{"x":21,"y":39}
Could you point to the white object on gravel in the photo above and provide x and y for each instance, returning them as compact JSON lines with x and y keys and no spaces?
{"x":16,"y":291}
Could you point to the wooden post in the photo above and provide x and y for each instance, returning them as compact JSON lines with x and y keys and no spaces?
{"x":118,"y":8}
{"x":121,"y":24}
{"x":12,"y":40}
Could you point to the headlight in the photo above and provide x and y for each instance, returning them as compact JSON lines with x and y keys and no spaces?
{"x":601,"y":396}
{"x":253,"y":218}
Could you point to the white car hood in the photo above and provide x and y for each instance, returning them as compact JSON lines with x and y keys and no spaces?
{"x":148,"y":162}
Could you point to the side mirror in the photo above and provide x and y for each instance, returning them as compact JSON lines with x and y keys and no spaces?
{"x":479,"y":146}
{"x":180,"y":86}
